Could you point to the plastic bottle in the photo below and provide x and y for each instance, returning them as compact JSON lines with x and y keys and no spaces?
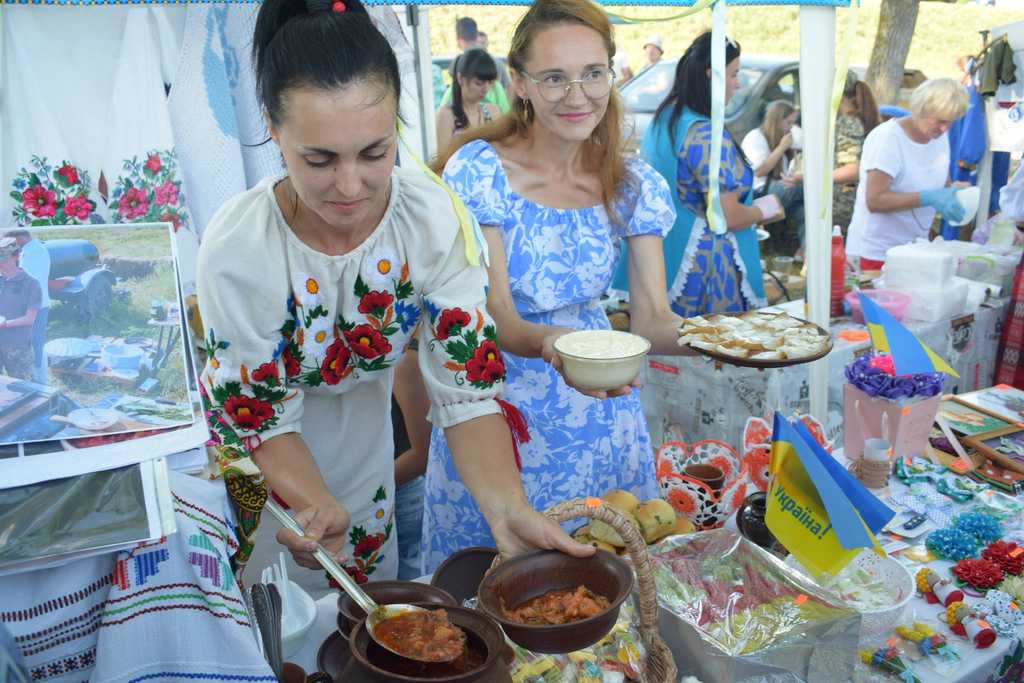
{"x":838,"y":271}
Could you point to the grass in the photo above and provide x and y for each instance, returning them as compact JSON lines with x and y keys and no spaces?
{"x":943,"y":31}
{"x":133,"y":243}
{"x":127,"y":316}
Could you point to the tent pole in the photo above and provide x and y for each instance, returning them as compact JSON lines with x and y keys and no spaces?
{"x":416,"y":19}
{"x":817,"y":67}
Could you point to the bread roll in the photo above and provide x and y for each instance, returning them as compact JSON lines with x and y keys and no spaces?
{"x":656,"y":518}
{"x":624,"y":501}
{"x":599,"y":531}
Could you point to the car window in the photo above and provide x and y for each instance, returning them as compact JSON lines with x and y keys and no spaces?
{"x":748,"y":77}
{"x":650,"y":87}
{"x":786,"y":88}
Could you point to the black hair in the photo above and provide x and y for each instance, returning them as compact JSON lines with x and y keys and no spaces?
{"x":465,"y":28}
{"x":317,"y":43}
{"x":692,"y":87}
{"x":473,"y":63}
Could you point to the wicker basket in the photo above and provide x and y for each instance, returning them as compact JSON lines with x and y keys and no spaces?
{"x":661,"y":666}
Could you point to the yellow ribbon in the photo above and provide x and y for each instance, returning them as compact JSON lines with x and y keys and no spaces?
{"x":697,"y":7}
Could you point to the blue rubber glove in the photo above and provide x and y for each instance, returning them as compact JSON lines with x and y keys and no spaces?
{"x":945,"y":202}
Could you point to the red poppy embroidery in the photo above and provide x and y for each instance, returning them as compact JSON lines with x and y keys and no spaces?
{"x":153,"y":163}
{"x":291,"y":365}
{"x":367,"y":342}
{"x":39,"y":201}
{"x":486,"y":365}
{"x":336,"y":363}
{"x":167,"y":193}
{"x":78,"y":207}
{"x":133,"y":203}
{"x":375,"y":302}
{"x":472,"y":348}
{"x":267,"y":372}
{"x":368,"y":545}
{"x":451,"y":323}
{"x":247,"y":412}
{"x":69,"y":173}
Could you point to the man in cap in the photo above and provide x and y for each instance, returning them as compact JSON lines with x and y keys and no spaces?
{"x":20,"y":299}
{"x":653,"y":50}
{"x":34,"y":259}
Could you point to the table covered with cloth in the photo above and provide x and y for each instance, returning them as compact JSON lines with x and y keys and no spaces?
{"x":164,"y":611}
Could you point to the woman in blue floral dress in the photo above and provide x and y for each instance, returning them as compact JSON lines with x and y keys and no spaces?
{"x":708,"y":272}
{"x":556,"y":197}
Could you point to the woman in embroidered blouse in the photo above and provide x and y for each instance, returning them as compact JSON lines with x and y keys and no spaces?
{"x":708,"y":272}
{"x":310,"y":287}
{"x":556,"y":197}
{"x":475,"y":73}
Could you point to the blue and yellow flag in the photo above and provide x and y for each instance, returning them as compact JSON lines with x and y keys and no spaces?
{"x":817,"y":509}
{"x":888,"y":335}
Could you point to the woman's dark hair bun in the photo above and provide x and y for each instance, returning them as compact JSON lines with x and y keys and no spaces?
{"x":320,"y":44}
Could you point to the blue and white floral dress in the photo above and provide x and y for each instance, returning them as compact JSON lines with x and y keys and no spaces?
{"x":560,"y":262}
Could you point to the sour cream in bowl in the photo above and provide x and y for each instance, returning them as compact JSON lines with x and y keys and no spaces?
{"x":601,"y":360}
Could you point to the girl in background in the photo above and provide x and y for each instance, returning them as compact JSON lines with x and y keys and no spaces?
{"x":475,"y":73}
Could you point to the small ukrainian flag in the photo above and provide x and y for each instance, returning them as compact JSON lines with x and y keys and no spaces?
{"x":909,"y":355}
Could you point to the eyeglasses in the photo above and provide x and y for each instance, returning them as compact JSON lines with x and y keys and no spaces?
{"x":554,"y":87}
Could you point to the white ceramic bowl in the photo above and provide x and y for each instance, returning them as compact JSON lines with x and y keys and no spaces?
{"x":299,"y":615}
{"x":601,"y":360}
{"x":969,"y":198}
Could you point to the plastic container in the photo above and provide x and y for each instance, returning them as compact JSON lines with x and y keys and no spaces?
{"x":893,"y":302}
{"x":933,"y":303}
{"x":838,"y":271}
{"x":912,"y":264}
{"x":994,"y":269}
{"x":884,"y":573}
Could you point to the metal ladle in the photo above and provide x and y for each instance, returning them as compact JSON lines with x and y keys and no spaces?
{"x":375,"y":613}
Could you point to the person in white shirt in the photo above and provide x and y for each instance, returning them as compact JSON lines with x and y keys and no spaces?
{"x":35,"y":260}
{"x":768,"y":148}
{"x":904,"y":173}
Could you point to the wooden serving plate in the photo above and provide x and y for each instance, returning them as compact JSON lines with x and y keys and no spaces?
{"x":767,"y":364}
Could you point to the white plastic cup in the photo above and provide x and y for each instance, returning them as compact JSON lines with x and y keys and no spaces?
{"x":878,"y":450}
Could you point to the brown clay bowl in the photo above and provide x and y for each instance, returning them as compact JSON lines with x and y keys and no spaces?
{"x":462,"y":572}
{"x":484,"y":640}
{"x":528,"y":576}
{"x":388,"y":593}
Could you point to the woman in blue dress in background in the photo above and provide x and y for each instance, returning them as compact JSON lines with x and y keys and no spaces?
{"x":555,"y":195}
{"x":707,"y":272}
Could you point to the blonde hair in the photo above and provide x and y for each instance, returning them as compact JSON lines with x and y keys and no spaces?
{"x":603,"y":151}
{"x":774,"y":115}
{"x":943,"y":98}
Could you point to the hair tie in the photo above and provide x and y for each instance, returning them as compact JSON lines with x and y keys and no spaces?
{"x":337,"y":7}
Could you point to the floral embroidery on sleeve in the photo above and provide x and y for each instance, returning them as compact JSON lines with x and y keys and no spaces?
{"x":243,"y":401}
{"x":474,"y":358}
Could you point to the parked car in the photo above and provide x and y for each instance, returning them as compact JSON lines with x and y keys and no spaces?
{"x":78,"y":278}
{"x":763,"y":79}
